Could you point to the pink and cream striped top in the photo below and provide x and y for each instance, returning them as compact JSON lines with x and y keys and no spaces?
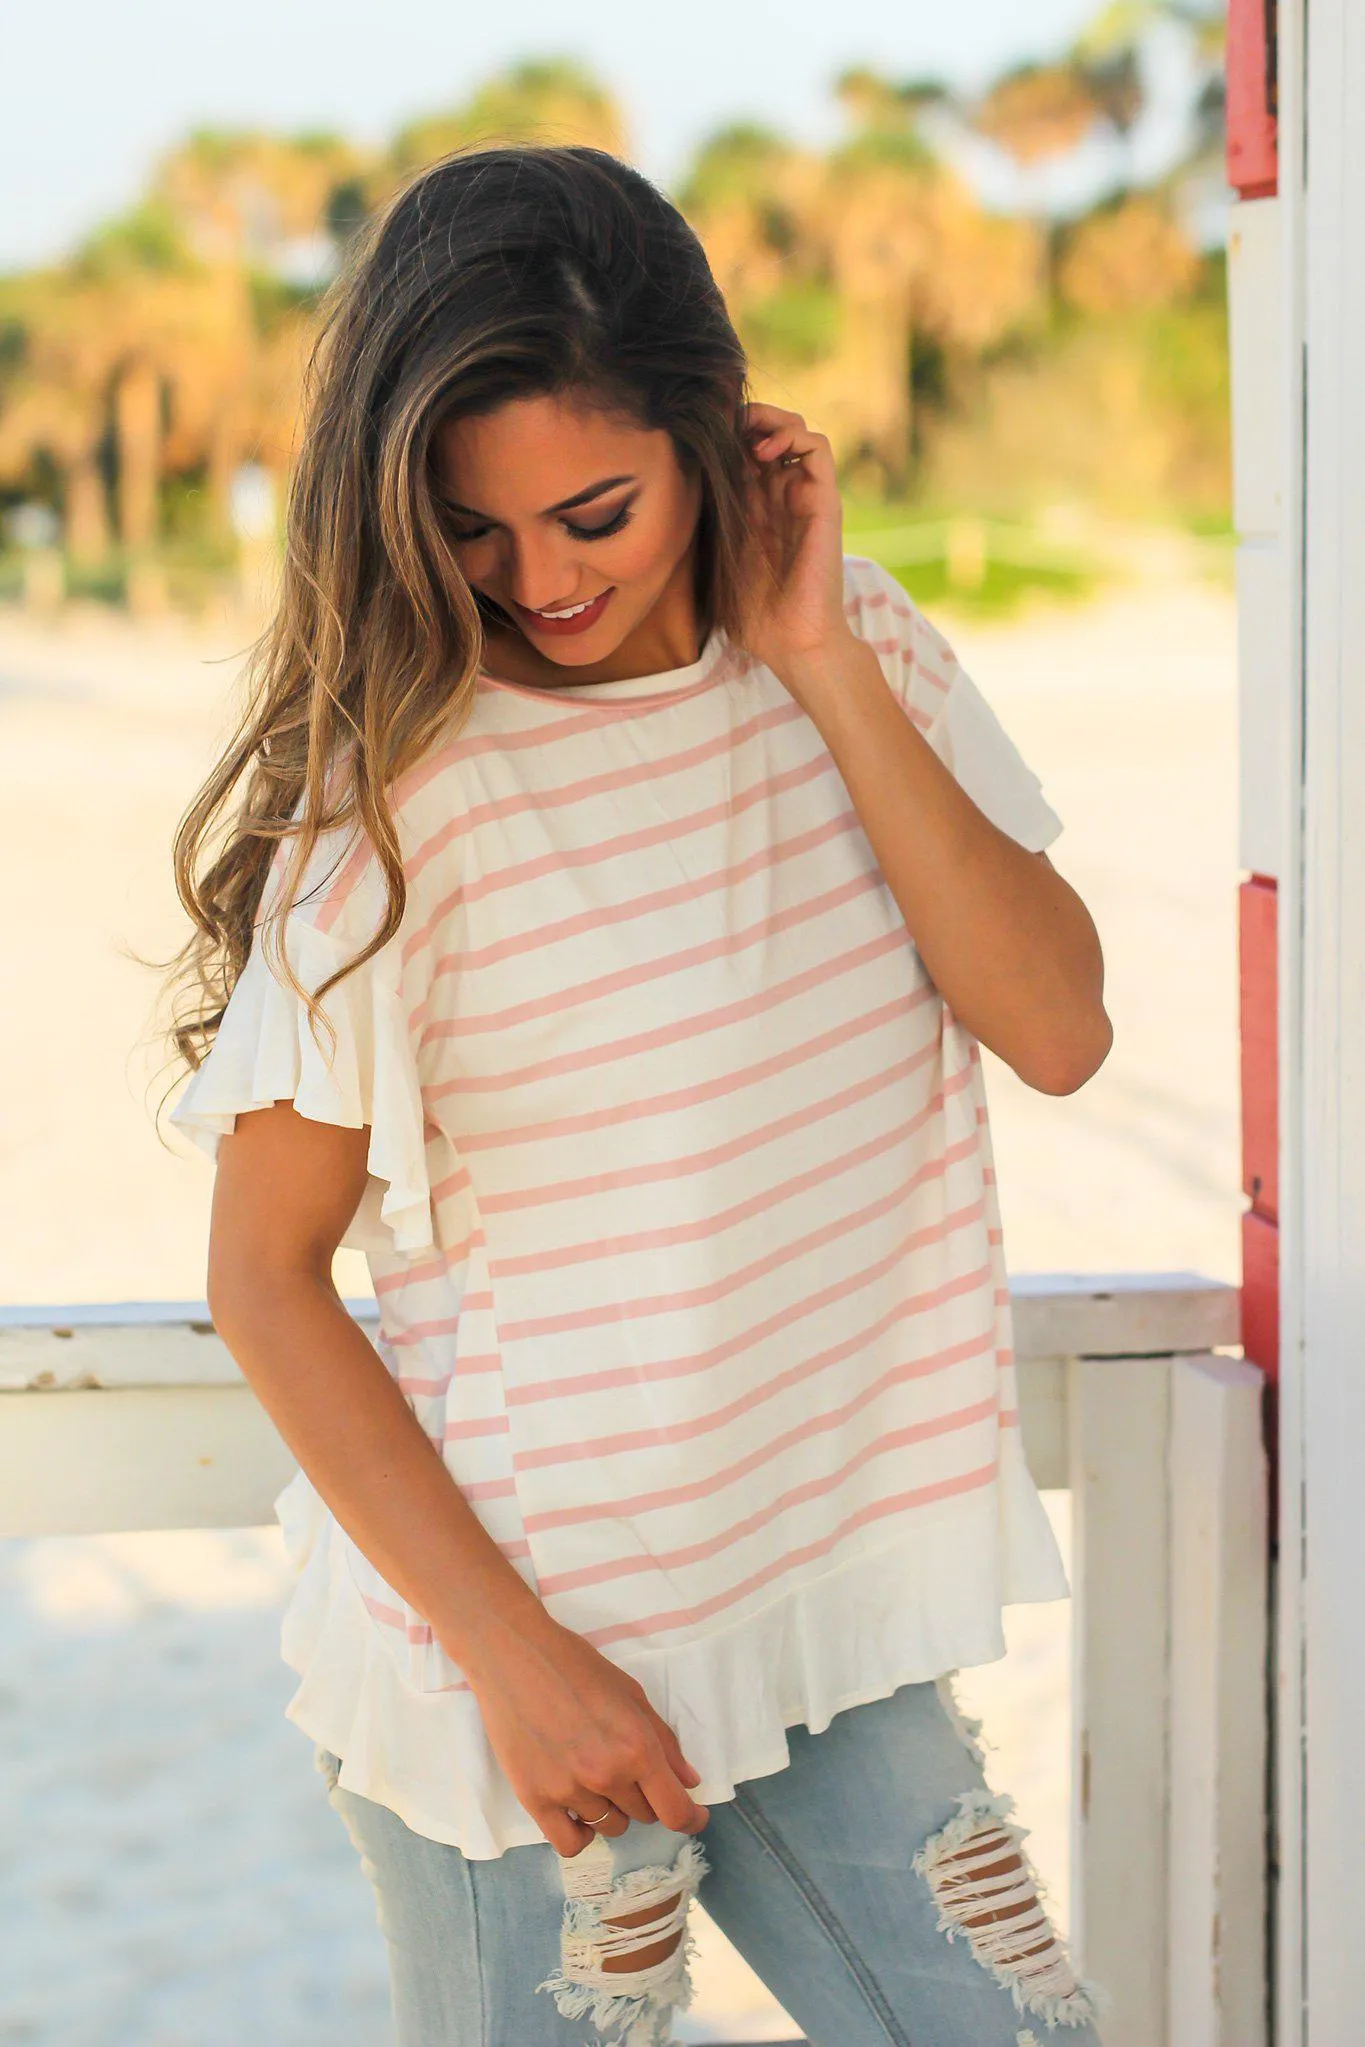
{"x":681,"y":1218}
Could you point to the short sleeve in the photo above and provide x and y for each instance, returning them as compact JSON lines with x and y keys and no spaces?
{"x":946,"y":705}
{"x":266,"y":1051}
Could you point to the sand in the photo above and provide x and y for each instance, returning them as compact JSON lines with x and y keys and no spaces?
{"x":171,"y":1875}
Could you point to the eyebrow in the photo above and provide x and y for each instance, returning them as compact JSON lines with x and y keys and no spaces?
{"x":582,"y":497}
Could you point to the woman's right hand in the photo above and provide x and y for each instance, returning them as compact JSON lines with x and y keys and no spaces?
{"x":574,"y":1732}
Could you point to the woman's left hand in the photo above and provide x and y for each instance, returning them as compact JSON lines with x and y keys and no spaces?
{"x":794,"y":619}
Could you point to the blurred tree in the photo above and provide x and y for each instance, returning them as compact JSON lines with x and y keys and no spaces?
{"x":1128,"y":255}
{"x":255,"y":199}
{"x":1045,"y":110}
{"x":747,"y":194}
{"x":52,"y":410}
{"x":541,"y":100}
{"x":909,"y":260}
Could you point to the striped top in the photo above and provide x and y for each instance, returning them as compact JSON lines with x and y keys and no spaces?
{"x":681,"y":1217}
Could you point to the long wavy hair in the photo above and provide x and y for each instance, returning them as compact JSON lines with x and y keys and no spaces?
{"x":498,"y":273}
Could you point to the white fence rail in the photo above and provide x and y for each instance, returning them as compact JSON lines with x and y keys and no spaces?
{"x":135,"y":1416}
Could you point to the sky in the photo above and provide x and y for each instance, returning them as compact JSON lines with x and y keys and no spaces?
{"x":91,"y":91}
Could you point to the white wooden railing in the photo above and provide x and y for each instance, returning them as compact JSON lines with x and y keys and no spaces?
{"x":135,"y":1416}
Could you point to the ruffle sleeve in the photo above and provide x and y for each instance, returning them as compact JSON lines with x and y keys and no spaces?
{"x":265,"y":1051}
{"x":946,"y":705}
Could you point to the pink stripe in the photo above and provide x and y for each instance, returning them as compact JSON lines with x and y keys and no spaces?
{"x":875,"y":600}
{"x":795,"y":1496}
{"x":536,"y":937}
{"x":732,"y":658}
{"x":418,"y":1332}
{"x":646,"y":1373}
{"x":490,"y":1489}
{"x":917,"y":1496}
{"x":716,"y":1481}
{"x":479,"y":1425}
{"x":523,"y":872}
{"x":462,"y":1368}
{"x":446,"y":1325}
{"x":588,"y":786}
{"x":416,"y":1631}
{"x":749,"y":1141}
{"x":613,"y":1050}
{"x":418,"y":1275}
{"x":731,"y":1282}
{"x":465,"y":745}
{"x":704,"y":1091}
{"x":741,"y":1276}
{"x":663,"y":968}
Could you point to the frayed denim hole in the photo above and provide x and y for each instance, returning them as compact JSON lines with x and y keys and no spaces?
{"x":987,"y":1891}
{"x":634,"y":2007}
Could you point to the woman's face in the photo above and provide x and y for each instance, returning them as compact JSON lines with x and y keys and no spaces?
{"x":582,"y":527}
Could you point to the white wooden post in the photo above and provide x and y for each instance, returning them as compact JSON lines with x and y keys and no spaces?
{"x":1322,"y":1662}
{"x":1120,"y":1422}
{"x":1216,"y":1942}
{"x":1168,"y":1478}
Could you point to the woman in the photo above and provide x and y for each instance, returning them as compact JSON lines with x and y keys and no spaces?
{"x":596,"y":916}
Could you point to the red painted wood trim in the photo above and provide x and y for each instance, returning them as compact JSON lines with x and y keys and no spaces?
{"x":1253,"y":157}
{"x":1261,"y":1328}
{"x":1261,"y":1293}
{"x":1257,"y":927}
{"x":1257,"y":920}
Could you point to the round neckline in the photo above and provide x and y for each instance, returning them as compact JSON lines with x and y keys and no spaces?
{"x":714,"y":660}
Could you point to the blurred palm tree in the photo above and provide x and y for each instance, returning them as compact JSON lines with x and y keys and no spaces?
{"x":836,"y":266}
{"x":1127,"y":257}
{"x":55,"y":401}
{"x":254,"y":199}
{"x":541,"y":100}
{"x":132,"y":361}
{"x":748,"y":194}
{"x":179,"y":341}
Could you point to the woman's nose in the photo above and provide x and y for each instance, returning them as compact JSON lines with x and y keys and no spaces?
{"x":539,"y":574}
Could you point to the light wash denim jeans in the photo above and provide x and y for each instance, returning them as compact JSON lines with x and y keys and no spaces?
{"x":876,"y":1885}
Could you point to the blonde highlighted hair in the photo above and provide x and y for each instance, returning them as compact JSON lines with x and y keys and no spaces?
{"x":499,"y":273}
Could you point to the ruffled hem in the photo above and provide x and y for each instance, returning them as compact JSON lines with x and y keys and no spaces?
{"x":926,"y":1606}
{"x":266,"y":1052}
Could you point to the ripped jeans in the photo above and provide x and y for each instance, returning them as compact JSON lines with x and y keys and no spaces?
{"x":876,"y":1885}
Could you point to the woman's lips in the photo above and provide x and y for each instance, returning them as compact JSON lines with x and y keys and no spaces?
{"x":579,"y":623}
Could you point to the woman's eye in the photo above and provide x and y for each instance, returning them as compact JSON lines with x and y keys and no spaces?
{"x":461,"y":535}
{"x":613,"y":525}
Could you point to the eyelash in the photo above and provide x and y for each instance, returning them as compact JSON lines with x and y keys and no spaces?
{"x":613,"y":525}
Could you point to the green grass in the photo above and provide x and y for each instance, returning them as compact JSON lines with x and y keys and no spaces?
{"x":1014,"y":564}
{"x":1003,"y":590}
